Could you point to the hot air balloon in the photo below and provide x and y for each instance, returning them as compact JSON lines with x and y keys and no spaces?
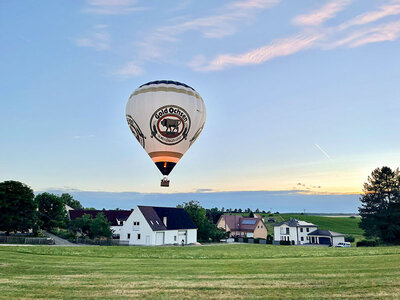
{"x":166,"y":117}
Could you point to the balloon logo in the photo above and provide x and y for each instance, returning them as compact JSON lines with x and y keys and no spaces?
{"x":166,"y":117}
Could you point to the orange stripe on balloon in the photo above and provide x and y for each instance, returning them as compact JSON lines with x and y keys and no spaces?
{"x":165,"y":159}
{"x":165,"y":153}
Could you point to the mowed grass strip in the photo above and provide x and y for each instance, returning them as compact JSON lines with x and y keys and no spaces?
{"x":227,"y":271}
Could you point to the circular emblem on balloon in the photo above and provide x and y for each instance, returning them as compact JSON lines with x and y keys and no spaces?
{"x":170,"y":124}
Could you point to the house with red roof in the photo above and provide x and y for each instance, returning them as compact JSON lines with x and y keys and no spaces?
{"x":242,"y":226}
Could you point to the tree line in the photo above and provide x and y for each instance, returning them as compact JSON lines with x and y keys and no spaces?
{"x":22,"y":211}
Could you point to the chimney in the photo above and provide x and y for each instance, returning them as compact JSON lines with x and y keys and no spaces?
{"x":165,"y":221}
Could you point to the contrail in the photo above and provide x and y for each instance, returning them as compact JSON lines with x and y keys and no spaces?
{"x":322,"y":150}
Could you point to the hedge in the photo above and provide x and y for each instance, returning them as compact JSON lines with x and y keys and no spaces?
{"x":365,"y":243}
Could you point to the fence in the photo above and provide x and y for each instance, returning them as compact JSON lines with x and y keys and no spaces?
{"x":101,"y":242}
{"x":253,"y":240}
{"x":26,"y":240}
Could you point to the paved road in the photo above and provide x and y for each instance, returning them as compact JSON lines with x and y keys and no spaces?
{"x":59,"y":241}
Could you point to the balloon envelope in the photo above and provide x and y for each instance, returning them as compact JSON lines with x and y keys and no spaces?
{"x":166,"y":117}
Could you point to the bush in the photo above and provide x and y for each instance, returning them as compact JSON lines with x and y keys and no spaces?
{"x":352,"y":217}
{"x":349,"y":238}
{"x":284,"y":242}
{"x":365,"y":243}
{"x":269,"y":239}
{"x":64,"y":233}
{"x":245,"y":240}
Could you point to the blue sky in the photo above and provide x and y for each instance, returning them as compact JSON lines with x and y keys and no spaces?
{"x":300,"y":95}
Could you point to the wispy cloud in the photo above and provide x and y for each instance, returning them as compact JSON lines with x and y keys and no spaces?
{"x":322,"y":150}
{"x":97,"y":38}
{"x":391,"y":9}
{"x":319,"y":16}
{"x":129,"y":69}
{"x":277,"y":48}
{"x":326,"y":37}
{"x":226,"y":22}
{"x":111,"y":7}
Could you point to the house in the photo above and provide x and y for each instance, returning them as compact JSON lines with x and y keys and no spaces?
{"x":239,"y":225}
{"x":115,"y":217}
{"x":151,"y":226}
{"x":325,"y":237}
{"x":294,"y":231}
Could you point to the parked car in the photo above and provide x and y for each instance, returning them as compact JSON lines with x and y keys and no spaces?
{"x":344,"y":245}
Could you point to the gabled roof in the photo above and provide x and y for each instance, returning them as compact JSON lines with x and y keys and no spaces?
{"x":111,"y":215}
{"x":240,"y":223}
{"x":177,"y":218}
{"x":296,"y":223}
{"x":324,"y":232}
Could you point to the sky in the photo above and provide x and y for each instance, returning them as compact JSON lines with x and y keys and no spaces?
{"x":302,"y":97}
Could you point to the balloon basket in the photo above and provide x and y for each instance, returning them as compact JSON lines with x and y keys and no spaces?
{"x":165,"y":182}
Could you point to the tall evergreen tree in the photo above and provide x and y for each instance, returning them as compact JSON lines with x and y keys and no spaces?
{"x":380,"y":210}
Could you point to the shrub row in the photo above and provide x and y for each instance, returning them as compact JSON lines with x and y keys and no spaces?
{"x":285,"y":243}
{"x":365,"y":243}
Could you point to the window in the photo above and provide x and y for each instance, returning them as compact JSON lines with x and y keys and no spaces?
{"x":258,"y":226}
{"x":287,"y":230}
{"x":308,"y":229}
{"x":301,"y":229}
{"x":129,"y":236}
{"x":175,"y":238}
{"x":135,"y":223}
{"x":138,"y":236}
{"x":302,"y":239}
{"x":261,"y":226}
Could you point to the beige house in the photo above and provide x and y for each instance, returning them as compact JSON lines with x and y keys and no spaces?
{"x":243,"y":226}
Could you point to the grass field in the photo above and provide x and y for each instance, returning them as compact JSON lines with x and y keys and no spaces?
{"x":221,"y":271}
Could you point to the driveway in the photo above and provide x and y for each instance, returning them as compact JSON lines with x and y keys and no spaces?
{"x":59,"y":241}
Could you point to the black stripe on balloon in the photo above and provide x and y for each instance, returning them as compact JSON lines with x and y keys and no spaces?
{"x":165,"y":167}
{"x":167,"y":82}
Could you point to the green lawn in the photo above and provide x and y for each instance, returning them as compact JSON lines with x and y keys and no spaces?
{"x":221,"y":271}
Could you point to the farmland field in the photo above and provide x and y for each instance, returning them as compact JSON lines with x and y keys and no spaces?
{"x":220,"y":271}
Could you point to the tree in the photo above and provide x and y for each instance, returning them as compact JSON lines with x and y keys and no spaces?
{"x":380,"y":209}
{"x":51,"y":210}
{"x":251,"y":214}
{"x":70,"y":201}
{"x":82,"y":225}
{"x":100,"y":227}
{"x":17,"y":208}
{"x":205,"y":229}
{"x":214,"y":214}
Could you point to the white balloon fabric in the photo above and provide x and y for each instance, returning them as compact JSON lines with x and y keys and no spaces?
{"x":166,"y":117}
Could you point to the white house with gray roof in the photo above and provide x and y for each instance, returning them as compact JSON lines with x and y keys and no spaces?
{"x":325,"y":237}
{"x":301,"y":232}
{"x":294,"y":231}
{"x":153,"y":226}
